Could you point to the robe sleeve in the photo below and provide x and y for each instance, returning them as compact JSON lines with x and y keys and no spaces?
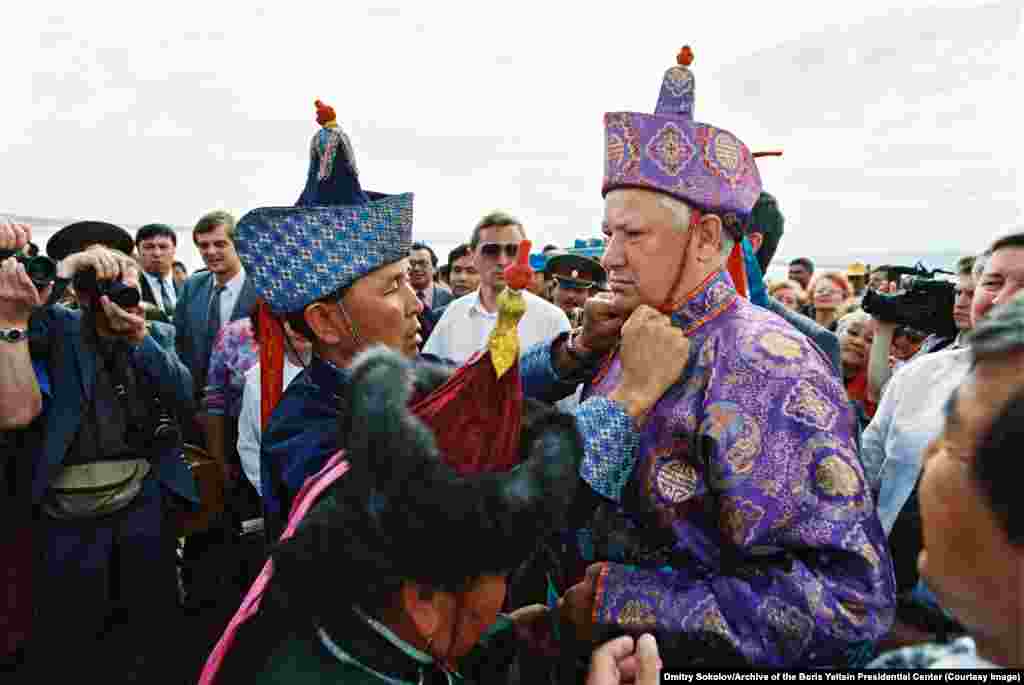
{"x":789,"y":566}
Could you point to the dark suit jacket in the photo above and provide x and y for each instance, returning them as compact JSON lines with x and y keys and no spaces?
{"x":147,"y":291}
{"x":72,"y":372}
{"x":193,"y":343}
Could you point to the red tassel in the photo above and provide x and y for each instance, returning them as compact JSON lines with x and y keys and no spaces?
{"x":737,"y":269}
{"x":271,"y":362}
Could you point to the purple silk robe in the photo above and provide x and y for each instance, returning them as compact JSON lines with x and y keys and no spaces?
{"x":783,"y":557}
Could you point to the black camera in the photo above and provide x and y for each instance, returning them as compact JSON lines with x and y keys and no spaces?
{"x":40,"y":269}
{"x":86,"y":283}
{"x":923,"y":302}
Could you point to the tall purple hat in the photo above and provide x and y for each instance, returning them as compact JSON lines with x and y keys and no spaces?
{"x":704,"y":166}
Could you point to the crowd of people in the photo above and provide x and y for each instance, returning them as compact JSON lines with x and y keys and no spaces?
{"x":327,"y":457}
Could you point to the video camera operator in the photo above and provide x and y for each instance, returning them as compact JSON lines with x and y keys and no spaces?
{"x":947,"y":332}
{"x":107,"y":467}
{"x":910,"y":415}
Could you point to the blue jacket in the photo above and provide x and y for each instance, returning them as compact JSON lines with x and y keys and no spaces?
{"x":72,"y":373}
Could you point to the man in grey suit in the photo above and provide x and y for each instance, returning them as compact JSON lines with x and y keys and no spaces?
{"x":209,"y":299}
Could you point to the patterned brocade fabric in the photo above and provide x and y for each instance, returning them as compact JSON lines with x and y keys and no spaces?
{"x":234,"y":353}
{"x":745,"y":517}
{"x":610,"y":440}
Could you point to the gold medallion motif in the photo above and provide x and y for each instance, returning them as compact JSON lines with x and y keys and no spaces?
{"x":836,"y":478}
{"x":676,"y":481}
{"x":727,"y":151}
{"x":670,"y":149}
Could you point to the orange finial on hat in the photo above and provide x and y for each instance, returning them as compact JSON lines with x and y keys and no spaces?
{"x":685,"y":56}
{"x":324,"y":114}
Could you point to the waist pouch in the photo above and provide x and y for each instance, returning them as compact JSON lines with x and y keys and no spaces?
{"x":86,"y":491}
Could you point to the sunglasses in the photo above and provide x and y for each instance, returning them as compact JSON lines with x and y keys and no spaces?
{"x":493,"y":250}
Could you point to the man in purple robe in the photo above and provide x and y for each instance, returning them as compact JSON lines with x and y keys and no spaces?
{"x":731,"y":516}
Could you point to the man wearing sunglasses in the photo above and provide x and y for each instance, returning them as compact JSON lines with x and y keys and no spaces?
{"x":466,"y":323}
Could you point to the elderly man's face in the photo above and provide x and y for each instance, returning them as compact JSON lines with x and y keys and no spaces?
{"x":1002,"y":279}
{"x":967,"y":560}
{"x":644,"y":251}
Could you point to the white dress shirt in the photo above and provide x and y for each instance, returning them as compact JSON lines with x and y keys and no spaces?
{"x":154,"y":284}
{"x":465,"y":326}
{"x":909,"y":417}
{"x":249,"y":427}
{"x":229,"y":298}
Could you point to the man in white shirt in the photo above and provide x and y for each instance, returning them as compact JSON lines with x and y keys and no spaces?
{"x":468,"y":321}
{"x":157,"y":245}
{"x":297,"y":353}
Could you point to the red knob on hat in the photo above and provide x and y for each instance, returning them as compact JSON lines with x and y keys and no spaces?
{"x":519,"y":274}
{"x":685,"y":56}
{"x":324,"y":113}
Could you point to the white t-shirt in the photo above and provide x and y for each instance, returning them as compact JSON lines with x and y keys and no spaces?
{"x":249,"y":429}
{"x":465,"y":326}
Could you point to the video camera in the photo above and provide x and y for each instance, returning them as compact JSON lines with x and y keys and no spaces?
{"x":40,"y":269}
{"x":124,"y":296}
{"x":923,"y":301}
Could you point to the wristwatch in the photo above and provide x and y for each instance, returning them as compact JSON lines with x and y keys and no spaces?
{"x":13,"y":335}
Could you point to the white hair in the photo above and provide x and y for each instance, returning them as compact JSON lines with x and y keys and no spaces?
{"x":859,"y":316}
{"x":681,"y":220}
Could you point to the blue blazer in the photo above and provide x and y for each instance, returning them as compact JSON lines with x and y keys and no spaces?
{"x":192,"y":342}
{"x":72,"y":372}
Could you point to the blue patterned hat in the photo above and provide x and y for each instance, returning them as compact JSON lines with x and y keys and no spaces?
{"x":336,"y":234}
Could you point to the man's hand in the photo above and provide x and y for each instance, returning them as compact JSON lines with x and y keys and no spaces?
{"x":18,"y":295}
{"x":124,"y":324}
{"x":576,"y":607}
{"x":654,"y":354}
{"x":602,"y":324}
{"x":107,"y":263}
{"x":533,"y":628}
{"x":624,"y":661}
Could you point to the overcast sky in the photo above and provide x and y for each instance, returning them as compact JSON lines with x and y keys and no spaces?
{"x":900,"y":126}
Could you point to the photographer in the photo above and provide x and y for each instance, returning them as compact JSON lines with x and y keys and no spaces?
{"x":21,"y":402}
{"x":108,"y":467}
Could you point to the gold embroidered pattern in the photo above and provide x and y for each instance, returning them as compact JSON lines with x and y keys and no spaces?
{"x":782,"y":345}
{"x":836,"y":478}
{"x":793,"y":626}
{"x":809,"y":406}
{"x":670,"y":149}
{"x":739,"y":519}
{"x":637,"y":614}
